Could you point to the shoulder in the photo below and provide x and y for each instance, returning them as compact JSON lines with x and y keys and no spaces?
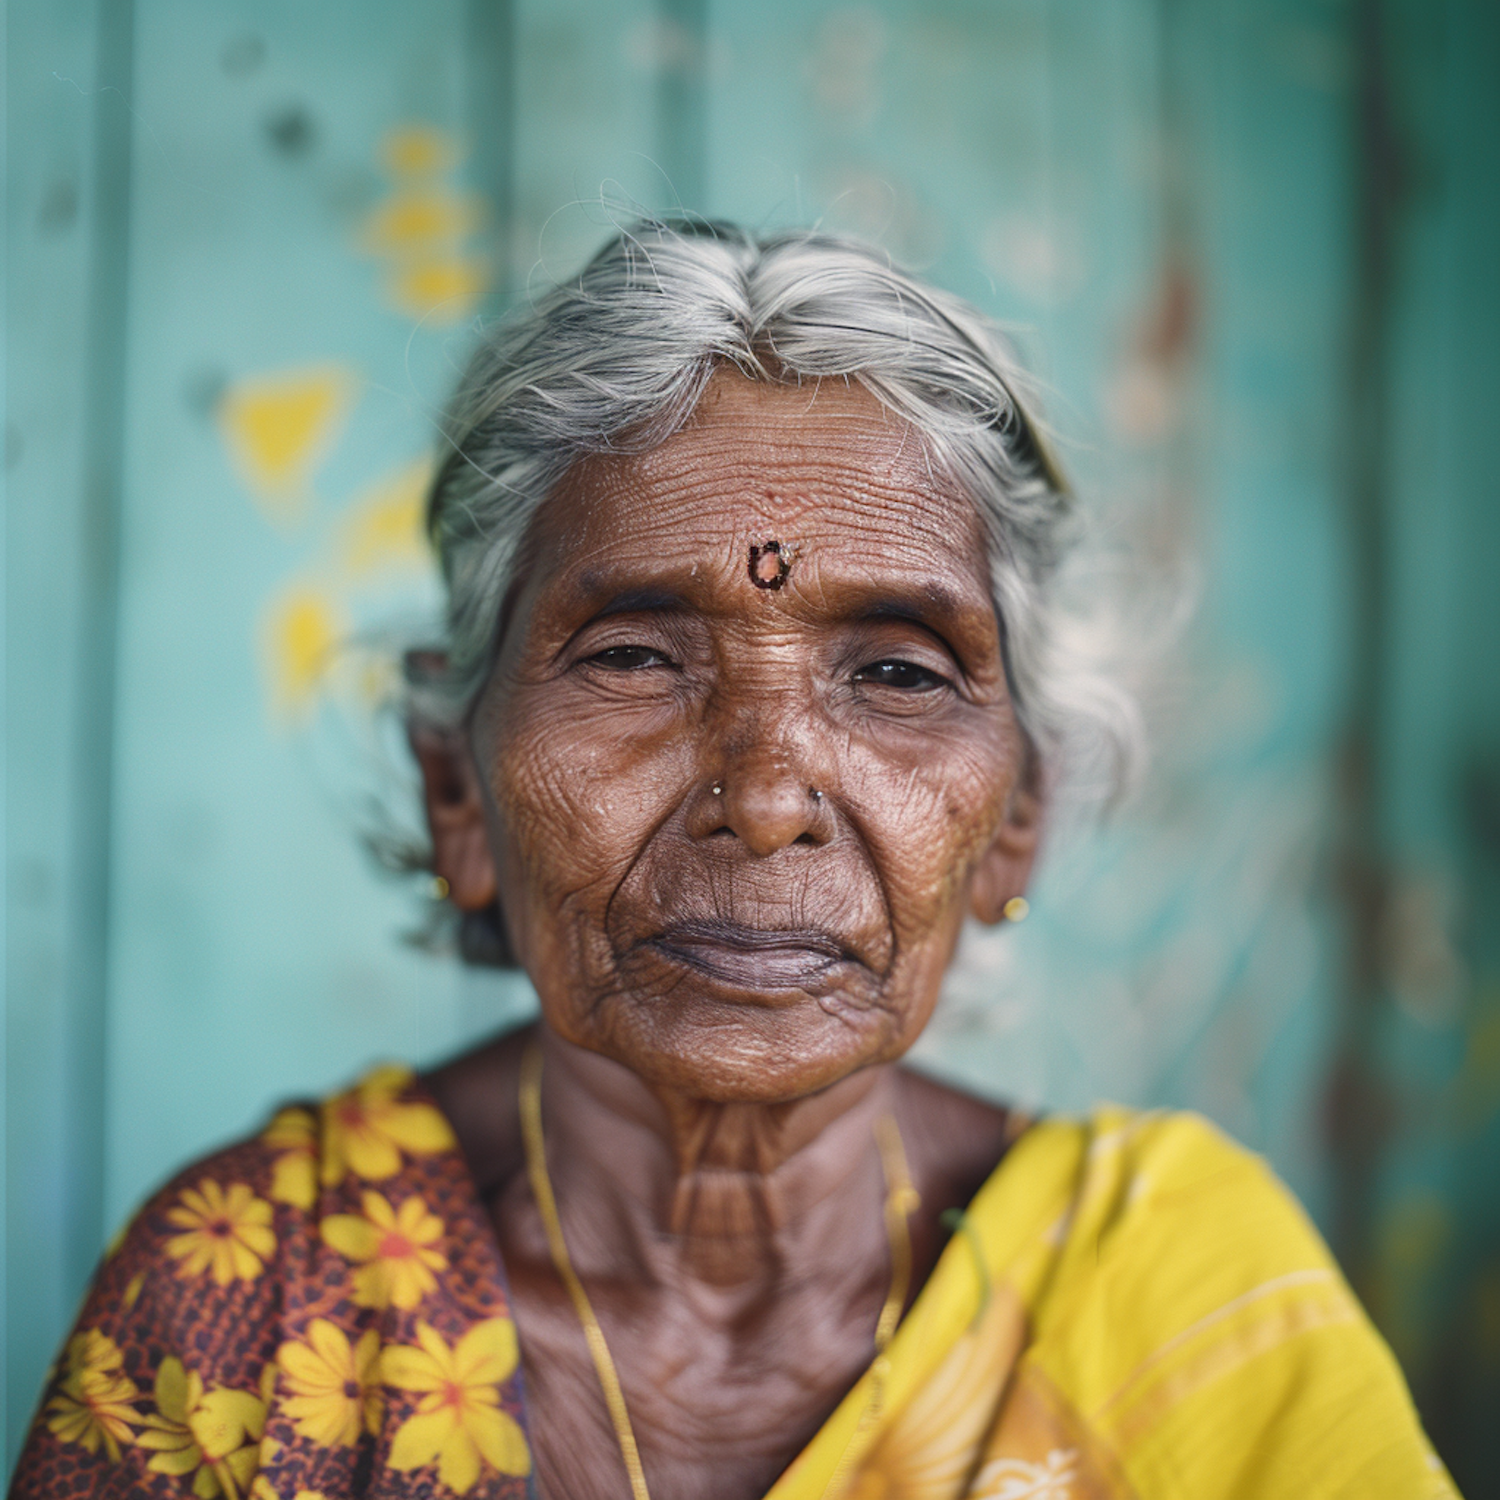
{"x":478,"y":1093}
{"x":1181,"y":1297}
{"x":952,"y":1139}
{"x":244,"y":1320}
{"x":1157,"y":1174}
{"x":230,"y":1237}
{"x":1158,"y":1221}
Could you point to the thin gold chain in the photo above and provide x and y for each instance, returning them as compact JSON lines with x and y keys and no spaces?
{"x":541,"y":1187}
{"x":901,"y":1200}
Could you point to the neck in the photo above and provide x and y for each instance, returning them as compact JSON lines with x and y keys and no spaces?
{"x":734,"y":1196}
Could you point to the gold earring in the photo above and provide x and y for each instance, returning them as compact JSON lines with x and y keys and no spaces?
{"x":440,"y":888}
{"x":1015,"y":909}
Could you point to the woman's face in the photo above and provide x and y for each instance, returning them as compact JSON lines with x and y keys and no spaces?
{"x":748,"y":758}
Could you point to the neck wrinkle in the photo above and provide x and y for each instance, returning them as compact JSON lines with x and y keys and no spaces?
{"x":732,"y":1198}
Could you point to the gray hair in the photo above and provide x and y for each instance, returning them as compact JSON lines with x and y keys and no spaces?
{"x":617,"y":359}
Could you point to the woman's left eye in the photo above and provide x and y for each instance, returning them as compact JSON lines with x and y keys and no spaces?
{"x":895,"y":673}
{"x":628,"y":658}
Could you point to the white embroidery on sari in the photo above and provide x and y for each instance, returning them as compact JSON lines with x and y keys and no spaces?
{"x":1016,"y":1479}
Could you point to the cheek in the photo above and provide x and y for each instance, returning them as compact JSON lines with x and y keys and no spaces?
{"x":576,"y":799}
{"x":929,"y":824}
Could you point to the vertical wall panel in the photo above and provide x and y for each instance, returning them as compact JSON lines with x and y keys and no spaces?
{"x":68,"y":73}
{"x":587,"y":145}
{"x":1429,"y":1253}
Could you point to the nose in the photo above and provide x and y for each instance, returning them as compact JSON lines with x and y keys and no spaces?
{"x":767,"y":810}
{"x":764,"y":795}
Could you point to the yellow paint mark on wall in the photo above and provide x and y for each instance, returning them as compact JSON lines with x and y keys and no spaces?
{"x":279,"y":428}
{"x":303,"y":630}
{"x":414,"y":222}
{"x":438,"y":290}
{"x":418,"y":151}
{"x":422,"y":230}
{"x":385,"y":527}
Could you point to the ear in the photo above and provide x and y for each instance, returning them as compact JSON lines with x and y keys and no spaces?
{"x":1005,"y":867}
{"x":455,"y":815}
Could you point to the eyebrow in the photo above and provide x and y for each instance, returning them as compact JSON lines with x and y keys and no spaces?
{"x":639,"y":601}
{"x":921,"y":601}
{"x":921,"y":607}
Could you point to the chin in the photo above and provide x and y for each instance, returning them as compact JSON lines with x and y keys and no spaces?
{"x":731,"y":1053}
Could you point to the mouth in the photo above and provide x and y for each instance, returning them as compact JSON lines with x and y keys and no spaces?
{"x":753,"y":958}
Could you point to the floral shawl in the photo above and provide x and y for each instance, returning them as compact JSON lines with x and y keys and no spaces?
{"x":1131,"y":1309}
{"x":318,"y":1312}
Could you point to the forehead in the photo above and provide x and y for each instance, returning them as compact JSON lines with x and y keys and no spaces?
{"x":840,"y":482}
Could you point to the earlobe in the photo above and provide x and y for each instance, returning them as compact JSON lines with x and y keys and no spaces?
{"x":454,"y":802}
{"x":1005,"y":867}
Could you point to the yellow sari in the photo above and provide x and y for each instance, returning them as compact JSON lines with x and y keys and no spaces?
{"x":1134,"y":1307}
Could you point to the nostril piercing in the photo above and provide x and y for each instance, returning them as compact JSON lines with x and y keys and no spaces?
{"x":717,"y":790}
{"x":817,"y":796}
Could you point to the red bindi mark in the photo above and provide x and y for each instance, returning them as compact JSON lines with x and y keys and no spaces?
{"x":770,"y":566}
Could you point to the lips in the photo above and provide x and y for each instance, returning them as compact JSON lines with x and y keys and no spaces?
{"x":752,"y":957}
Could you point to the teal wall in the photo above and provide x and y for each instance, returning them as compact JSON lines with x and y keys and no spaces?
{"x":1251,"y":249}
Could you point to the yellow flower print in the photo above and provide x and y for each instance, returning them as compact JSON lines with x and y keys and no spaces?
{"x":294,"y":1175}
{"x":366,"y":1129}
{"x":93,"y":1405}
{"x":458,"y":1421}
{"x":335,"y":1388}
{"x":214,"y":1435}
{"x":393,"y":1249}
{"x":228,"y":1233}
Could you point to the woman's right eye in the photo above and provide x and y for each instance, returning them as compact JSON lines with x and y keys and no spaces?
{"x":894,"y":672}
{"x":627,"y":658}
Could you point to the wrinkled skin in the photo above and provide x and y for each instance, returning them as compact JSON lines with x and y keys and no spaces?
{"x":735,"y":831}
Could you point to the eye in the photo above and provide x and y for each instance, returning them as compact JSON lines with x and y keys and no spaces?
{"x":627,"y":658}
{"x":895,"y":673}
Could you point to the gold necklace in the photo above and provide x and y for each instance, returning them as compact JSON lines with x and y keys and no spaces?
{"x":901,"y":1201}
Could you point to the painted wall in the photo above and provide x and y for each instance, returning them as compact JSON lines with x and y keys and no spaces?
{"x":1250,"y":250}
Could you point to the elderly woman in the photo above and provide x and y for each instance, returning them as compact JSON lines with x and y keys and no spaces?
{"x":751,"y":699}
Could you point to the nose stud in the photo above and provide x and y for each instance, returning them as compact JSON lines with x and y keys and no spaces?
{"x":718,"y":791}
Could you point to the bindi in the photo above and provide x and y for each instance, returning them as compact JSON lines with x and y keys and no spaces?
{"x":770,"y":565}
